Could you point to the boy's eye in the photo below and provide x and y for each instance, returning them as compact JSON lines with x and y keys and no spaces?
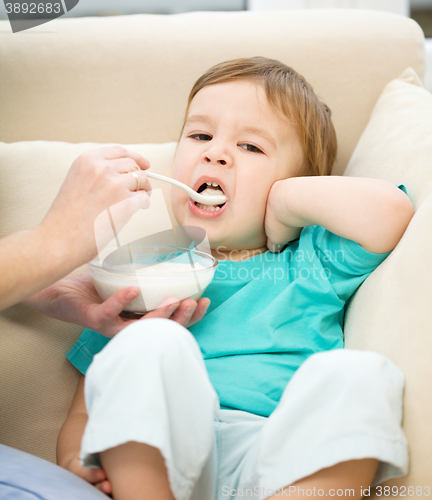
{"x":201,"y":137}
{"x":251,"y":148}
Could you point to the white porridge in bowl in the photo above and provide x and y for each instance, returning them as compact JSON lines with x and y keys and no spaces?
{"x":159,"y":272}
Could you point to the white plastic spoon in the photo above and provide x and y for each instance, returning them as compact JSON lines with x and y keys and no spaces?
{"x":205,"y":200}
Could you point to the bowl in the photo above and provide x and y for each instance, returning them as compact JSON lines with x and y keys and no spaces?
{"x":159,"y":271}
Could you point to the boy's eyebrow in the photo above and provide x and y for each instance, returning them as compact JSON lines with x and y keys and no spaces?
{"x":199,"y":118}
{"x":252,"y":130}
{"x":262,"y":133}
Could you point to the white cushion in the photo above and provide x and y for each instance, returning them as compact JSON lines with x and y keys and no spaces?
{"x":391,"y":312}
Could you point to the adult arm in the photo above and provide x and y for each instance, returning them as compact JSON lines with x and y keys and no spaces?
{"x":33,"y":259}
{"x":373,"y":212}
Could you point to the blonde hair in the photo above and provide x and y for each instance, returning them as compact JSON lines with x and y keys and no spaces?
{"x":292,"y":96}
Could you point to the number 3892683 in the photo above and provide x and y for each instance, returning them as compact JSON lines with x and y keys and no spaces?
{"x":402,"y":491}
{"x":34,"y":8}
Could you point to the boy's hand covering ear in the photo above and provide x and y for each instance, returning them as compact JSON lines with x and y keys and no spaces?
{"x":278,"y":234}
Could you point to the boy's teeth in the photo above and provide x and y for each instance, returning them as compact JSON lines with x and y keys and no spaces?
{"x":211,"y":191}
{"x":211,"y":208}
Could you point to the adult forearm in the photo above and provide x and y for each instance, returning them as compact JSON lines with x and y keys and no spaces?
{"x":70,"y":299}
{"x":30,"y":261}
{"x":55,"y":301}
{"x":373,"y":212}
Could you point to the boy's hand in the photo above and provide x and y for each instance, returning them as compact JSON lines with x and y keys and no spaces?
{"x":186,"y":313}
{"x":96,"y":477}
{"x":278,"y":234}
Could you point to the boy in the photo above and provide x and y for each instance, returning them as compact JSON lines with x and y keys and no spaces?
{"x":257,"y":399}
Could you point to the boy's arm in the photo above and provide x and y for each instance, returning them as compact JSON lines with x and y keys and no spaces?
{"x":69,"y":443}
{"x":71,"y":433}
{"x":372,"y":212}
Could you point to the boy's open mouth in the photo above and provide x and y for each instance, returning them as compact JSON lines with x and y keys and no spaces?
{"x":209,"y":188}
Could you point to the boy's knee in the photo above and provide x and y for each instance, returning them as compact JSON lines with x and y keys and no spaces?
{"x":159,"y":328}
{"x":151,"y":337}
{"x":159,"y":350}
{"x":355,"y":367}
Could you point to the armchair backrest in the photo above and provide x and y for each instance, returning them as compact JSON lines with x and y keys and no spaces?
{"x":126,"y":79}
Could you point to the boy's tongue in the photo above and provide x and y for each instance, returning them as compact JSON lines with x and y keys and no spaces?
{"x":211,"y":191}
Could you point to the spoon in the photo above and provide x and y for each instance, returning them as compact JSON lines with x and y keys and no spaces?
{"x":205,"y":200}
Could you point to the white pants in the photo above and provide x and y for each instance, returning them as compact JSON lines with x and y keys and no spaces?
{"x":150,"y":385}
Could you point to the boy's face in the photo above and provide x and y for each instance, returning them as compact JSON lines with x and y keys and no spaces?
{"x":232,"y":136}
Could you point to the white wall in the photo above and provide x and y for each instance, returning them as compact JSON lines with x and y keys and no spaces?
{"x":95,"y":7}
{"x":98,"y":7}
{"x":395,"y":6}
{"x":154,"y":6}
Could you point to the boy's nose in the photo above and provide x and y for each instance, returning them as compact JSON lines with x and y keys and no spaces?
{"x":208,"y":159}
{"x":217,"y":152}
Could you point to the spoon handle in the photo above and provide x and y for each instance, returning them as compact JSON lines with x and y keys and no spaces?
{"x":206,"y":200}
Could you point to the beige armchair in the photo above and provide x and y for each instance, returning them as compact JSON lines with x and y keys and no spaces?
{"x":73,"y":84}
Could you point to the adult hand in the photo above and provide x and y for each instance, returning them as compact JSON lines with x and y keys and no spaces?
{"x":74,"y":299}
{"x":96,"y":477}
{"x":96,"y":181}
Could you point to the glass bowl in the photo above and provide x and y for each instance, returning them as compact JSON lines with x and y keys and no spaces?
{"x":159,"y":271}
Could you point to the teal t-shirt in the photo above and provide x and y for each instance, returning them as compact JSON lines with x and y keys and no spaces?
{"x":267,"y":315}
